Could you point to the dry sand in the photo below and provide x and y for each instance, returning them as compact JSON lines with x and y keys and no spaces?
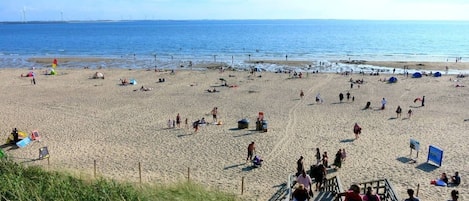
{"x":82,"y":120}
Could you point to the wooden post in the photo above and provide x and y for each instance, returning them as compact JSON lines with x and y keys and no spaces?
{"x":418,"y":187}
{"x":242,"y":185}
{"x":140,"y":172}
{"x":188,"y":174}
{"x":95,"y":168}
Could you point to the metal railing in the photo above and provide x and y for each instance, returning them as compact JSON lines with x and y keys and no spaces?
{"x":382,"y":187}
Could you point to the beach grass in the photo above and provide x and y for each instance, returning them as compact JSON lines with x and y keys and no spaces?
{"x":33,"y":183}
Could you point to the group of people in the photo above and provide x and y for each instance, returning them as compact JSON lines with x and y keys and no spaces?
{"x":201,"y":122}
{"x":444,"y":180}
{"x":341,"y":96}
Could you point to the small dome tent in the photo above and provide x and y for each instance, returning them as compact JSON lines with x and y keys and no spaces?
{"x":392,"y":80}
{"x":437,"y":74}
{"x":417,"y":75}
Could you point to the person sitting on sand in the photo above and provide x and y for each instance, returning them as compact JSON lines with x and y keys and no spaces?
{"x":441,"y":181}
{"x":145,"y":88}
{"x":125,"y":81}
{"x":456,"y":179}
{"x":318,"y":98}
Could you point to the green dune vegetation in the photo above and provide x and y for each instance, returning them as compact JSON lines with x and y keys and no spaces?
{"x":24,"y":183}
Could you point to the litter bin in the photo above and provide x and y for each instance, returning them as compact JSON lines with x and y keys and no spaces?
{"x":258,"y":125}
{"x":243,"y":123}
{"x":264,"y":125}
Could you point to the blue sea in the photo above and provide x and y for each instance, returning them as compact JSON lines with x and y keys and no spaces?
{"x":165,"y":43}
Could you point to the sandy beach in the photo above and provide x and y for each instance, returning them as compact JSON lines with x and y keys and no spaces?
{"x":82,"y":120}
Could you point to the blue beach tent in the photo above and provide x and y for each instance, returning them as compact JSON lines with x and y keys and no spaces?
{"x":437,"y":74}
{"x":417,"y":75}
{"x":392,"y":80}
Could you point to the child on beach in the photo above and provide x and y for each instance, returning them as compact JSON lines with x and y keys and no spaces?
{"x":302,"y":94}
{"x":409,"y":113}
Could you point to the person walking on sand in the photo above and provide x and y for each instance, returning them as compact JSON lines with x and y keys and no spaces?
{"x":357,"y":130}
{"x":214,"y":114}
{"x":398,"y":111}
{"x":423,"y":101}
{"x":338,"y":159}
{"x":196,"y":125}
{"x":187,"y":122}
{"x":318,"y":156}
{"x":383,"y":103}
{"x":300,"y":167}
{"x":302,"y":94}
{"x":178,"y":121}
{"x":325,"y":159}
{"x":251,"y":149}
{"x":341,"y":97}
{"x":409,"y":113}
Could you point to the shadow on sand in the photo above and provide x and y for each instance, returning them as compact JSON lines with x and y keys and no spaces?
{"x":347,"y":140}
{"x":427,"y":167}
{"x":233,"y":166}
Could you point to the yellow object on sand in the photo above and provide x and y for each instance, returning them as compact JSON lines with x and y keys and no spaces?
{"x":21,"y":135}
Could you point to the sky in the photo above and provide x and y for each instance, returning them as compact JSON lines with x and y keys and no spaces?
{"x":56,"y":10}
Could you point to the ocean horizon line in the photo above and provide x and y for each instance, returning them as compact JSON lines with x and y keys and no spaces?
{"x":247,"y":19}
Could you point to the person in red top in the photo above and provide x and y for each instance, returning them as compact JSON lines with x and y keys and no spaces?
{"x":353,"y":194}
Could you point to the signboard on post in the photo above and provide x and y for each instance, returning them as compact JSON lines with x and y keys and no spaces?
{"x":435,"y":155}
{"x":415,"y":145}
